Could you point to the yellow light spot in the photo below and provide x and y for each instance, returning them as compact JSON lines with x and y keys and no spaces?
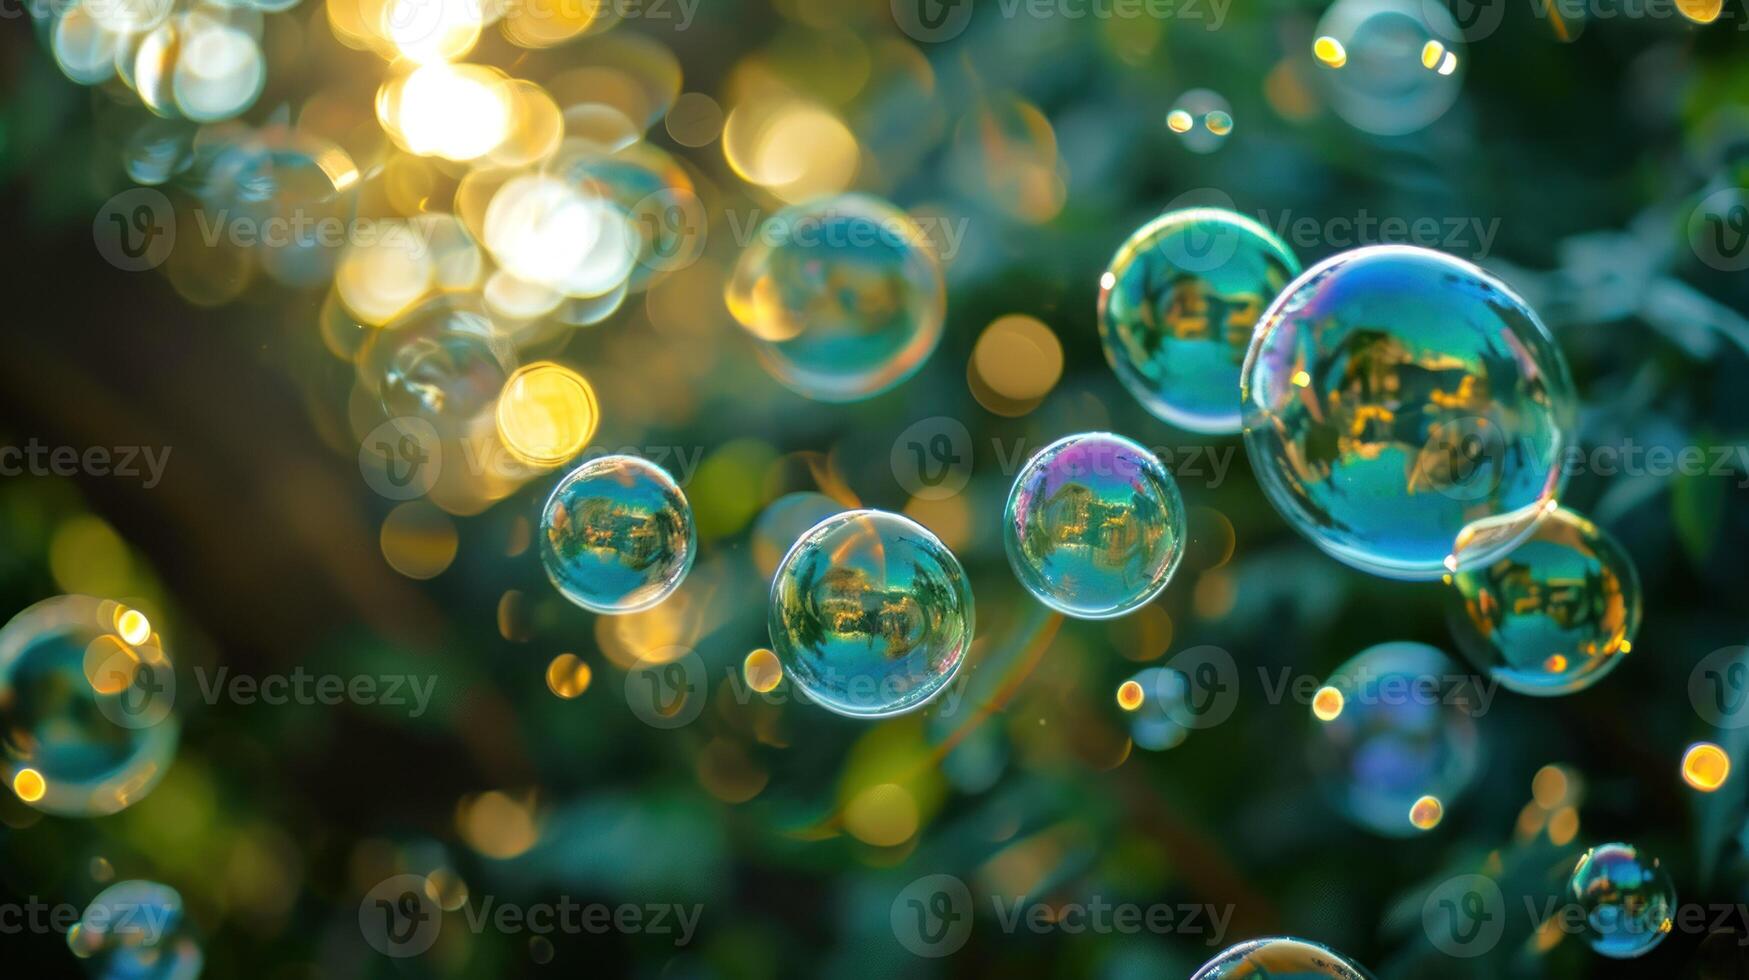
{"x":1431,"y":52}
{"x":1701,"y":11}
{"x":1218,"y":123}
{"x":1563,"y":826}
{"x":1330,"y":51}
{"x":1705,"y":766}
{"x":762,"y":670}
{"x":110,"y":664}
{"x":1626,"y":646}
{"x":1015,"y":364}
{"x":1556,"y":664}
{"x":1426,"y":813}
{"x":458,"y":112}
{"x":1301,"y":379}
{"x":29,"y":785}
{"x":546,"y":413}
{"x":884,"y":815}
{"x":447,"y":889}
{"x":568,"y":676}
{"x":1179,"y":121}
{"x":1129,"y":695}
{"x":497,"y":825}
{"x":418,"y":540}
{"x":133,"y":626}
{"x":1549,"y":787}
{"x":432,"y":30}
{"x":1327,"y":703}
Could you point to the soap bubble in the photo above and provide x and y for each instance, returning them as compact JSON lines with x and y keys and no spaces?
{"x":654,"y":194}
{"x":1280,"y":958}
{"x":1627,"y":899}
{"x":871,"y":615}
{"x":1393,"y":727}
{"x":617,"y":535}
{"x":1153,"y":708}
{"x":1094,"y":526}
{"x":85,"y":697}
{"x":1406,"y":411}
{"x":136,"y":930}
{"x":443,"y":361}
{"x":1553,"y":616}
{"x":1177,"y":307}
{"x":1202,"y":118}
{"x":1383,"y":82}
{"x":843,"y":296}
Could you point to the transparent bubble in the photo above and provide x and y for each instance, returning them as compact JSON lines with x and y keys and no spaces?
{"x":292,"y":194}
{"x":843,"y":296}
{"x":1202,"y":118}
{"x":1094,"y":526}
{"x":780,"y":524}
{"x":136,"y":930}
{"x":871,"y":615}
{"x":1405,"y":410}
{"x":1154,"y":718}
{"x":220,"y":68}
{"x":617,"y":535}
{"x":1627,"y":899}
{"x":653,"y":193}
{"x":158,"y":150}
{"x":1177,"y":307}
{"x":1392,"y":727}
{"x":443,"y":361}
{"x":1280,"y":958}
{"x":1383,"y":82}
{"x":85,"y":698}
{"x":1555,"y":615}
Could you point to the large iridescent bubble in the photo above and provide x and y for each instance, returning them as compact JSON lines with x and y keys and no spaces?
{"x":1394,"y":737}
{"x":1553,"y":616}
{"x":1280,"y":958}
{"x":1627,"y":899}
{"x":86,"y":692}
{"x":843,"y":295}
{"x":1177,"y":307}
{"x":871,"y":615}
{"x":1094,"y":526}
{"x":1406,"y":411}
{"x":136,"y":930}
{"x":617,"y":535}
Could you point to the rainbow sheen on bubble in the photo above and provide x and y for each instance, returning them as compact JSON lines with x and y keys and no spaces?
{"x":85,"y":699}
{"x":1553,"y":616}
{"x":136,"y":930}
{"x":871,"y":615}
{"x":843,"y":296}
{"x":1177,"y":307}
{"x":1280,"y":958}
{"x":1094,"y":526}
{"x":1406,"y":411}
{"x":1627,"y":898}
{"x":1402,"y":729}
{"x":617,"y":536}
{"x":443,"y":361}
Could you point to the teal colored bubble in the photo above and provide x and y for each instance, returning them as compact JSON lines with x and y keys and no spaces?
{"x":843,"y":296}
{"x":136,"y":930}
{"x":1402,"y":728}
{"x":871,"y":615}
{"x":1555,"y":615}
{"x":85,"y":722}
{"x":443,"y":361}
{"x":617,"y":536}
{"x":1627,"y":898}
{"x":1155,"y":723}
{"x":1406,"y":411}
{"x":1094,"y":526}
{"x":1280,"y":958}
{"x":1177,"y":307}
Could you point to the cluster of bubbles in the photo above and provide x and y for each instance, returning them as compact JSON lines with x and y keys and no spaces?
{"x":1627,"y":899}
{"x":871,"y":615}
{"x":1394,"y":737}
{"x":85,"y":696}
{"x":1280,"y":957}
{"x":843,"y":296}
{"x":617,"y":535}
{"x":136,"y":930}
